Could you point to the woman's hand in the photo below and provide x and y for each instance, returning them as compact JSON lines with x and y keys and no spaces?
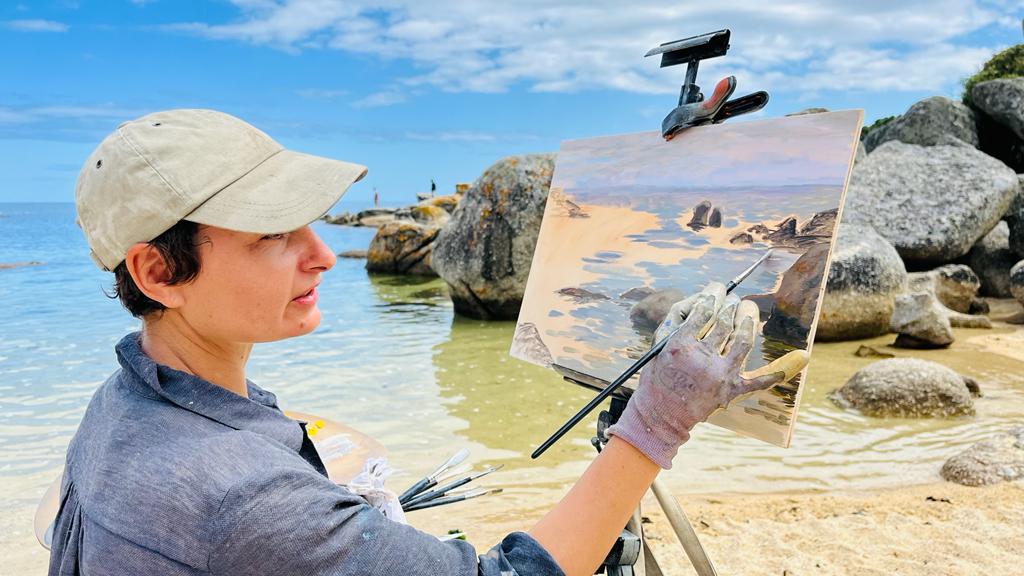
{"x":698,"y":372}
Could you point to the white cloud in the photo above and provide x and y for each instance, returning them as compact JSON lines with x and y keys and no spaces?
{"x":35,"y":26}
{"x":385,"y":98}
{"x":452,"y":136}
{"x":321,"y":93}
{"x":792,"y":45}
{"x":32,"y":114}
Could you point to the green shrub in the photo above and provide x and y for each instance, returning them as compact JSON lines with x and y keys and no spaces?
{"x":876,"y":125}
{"x":1006,"y":64}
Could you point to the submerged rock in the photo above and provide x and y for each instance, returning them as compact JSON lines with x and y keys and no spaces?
{"x":868,"y":352}
{"x":906,"y":387}
{"x":402,"y":248}
{"x":863,"y":280}
{"x":484,"y":252}
{"x":933,"y":204}
{"x":999,"y":459}
{"x":928,"y":122}
{"x":11,"y":265}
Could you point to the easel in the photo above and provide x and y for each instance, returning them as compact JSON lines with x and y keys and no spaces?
{"x":630,"y":555}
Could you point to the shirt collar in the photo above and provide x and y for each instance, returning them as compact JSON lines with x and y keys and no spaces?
{"x":258,"y":413}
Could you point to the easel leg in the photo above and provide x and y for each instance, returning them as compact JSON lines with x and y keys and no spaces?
{"x":683,"y":529}
{"x":634,"y":525}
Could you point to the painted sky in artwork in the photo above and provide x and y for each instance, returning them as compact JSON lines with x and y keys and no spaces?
{"x":805,"y":153}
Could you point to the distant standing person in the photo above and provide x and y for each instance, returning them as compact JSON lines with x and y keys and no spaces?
{"x":376,"y":199}
{"x":433,"y":187}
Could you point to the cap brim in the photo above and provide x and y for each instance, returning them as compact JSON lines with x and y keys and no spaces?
{"x":284,"y":193}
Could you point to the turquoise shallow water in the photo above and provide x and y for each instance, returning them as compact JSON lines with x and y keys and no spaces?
{"x":391,"y":360}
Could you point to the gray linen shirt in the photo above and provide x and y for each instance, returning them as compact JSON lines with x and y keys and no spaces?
{"x":171,"y":474}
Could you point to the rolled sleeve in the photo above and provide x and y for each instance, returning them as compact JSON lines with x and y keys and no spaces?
{"x":294,"y":521}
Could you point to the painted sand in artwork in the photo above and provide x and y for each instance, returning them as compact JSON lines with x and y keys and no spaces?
{"x":634,"y":223}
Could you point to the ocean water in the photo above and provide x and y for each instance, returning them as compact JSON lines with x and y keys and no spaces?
{"x":391,"y":360}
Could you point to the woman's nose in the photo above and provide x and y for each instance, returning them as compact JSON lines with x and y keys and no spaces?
{"x":319,"y":255}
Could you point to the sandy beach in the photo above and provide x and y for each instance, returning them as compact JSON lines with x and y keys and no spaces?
{"x":930,"y":530}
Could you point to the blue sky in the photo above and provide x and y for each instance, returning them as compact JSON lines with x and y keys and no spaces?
{"x":421,"y":90}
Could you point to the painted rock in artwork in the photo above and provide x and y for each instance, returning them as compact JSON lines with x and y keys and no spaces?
{"x":793,"y":313}
{"x":647,"y":314}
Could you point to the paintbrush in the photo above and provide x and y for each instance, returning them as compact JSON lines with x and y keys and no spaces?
{"x":431,"y":480}
{"x":454,"y":498}
{"x":443,"y":490}
{"x":657,"y":348}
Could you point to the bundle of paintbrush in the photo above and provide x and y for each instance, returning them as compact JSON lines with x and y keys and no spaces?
{"x":422,"y":494}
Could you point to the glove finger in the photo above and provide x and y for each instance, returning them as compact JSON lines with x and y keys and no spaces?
{"x":679,"y":312}
{"x":699,"y":320}
{"x":716,"y":289}
{"x":742,"y":342}
{"x":723,"y":328}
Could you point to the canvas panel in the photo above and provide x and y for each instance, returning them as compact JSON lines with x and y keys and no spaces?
{"x":631,"y":214}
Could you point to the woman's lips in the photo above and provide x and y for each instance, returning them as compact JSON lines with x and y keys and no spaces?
{"x":309,"y":298}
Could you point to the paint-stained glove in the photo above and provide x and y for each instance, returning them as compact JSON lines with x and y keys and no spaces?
{"x":698,"y":372}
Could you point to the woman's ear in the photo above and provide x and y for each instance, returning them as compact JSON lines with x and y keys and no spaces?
{"x":149,"y":271}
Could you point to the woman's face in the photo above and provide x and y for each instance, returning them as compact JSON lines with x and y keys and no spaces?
{"x":253,"y":287}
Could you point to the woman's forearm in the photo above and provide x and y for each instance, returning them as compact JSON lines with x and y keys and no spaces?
{"x":580,"y":530}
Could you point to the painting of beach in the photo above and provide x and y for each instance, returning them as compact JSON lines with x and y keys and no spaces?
{"x":633,"y":224}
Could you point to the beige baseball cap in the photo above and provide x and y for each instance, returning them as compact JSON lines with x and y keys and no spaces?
{"x":203,"y":166}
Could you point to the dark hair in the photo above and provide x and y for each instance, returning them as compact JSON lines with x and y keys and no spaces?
{"x":178,"y":247}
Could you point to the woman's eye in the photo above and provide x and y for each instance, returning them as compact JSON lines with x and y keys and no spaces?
{"x":274,"y":236}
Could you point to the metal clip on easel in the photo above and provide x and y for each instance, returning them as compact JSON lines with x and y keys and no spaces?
{"x":693,"y":109}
